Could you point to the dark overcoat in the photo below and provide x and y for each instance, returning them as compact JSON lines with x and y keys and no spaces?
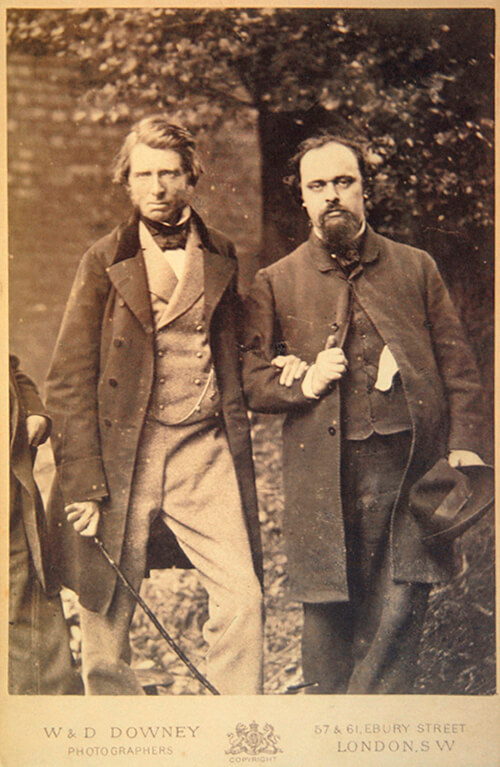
{"x":98,"y":389}
{"x":25,"y":497}
{"x":293,"y":306}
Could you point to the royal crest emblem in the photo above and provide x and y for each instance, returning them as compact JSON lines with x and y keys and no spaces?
{"x":250,"y":739}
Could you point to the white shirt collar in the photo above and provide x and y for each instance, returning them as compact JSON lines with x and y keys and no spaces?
{"x":152,"y":251}
{"x":186,"y":213}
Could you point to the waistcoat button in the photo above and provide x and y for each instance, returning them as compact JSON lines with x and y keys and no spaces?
{"x":113,"y":382}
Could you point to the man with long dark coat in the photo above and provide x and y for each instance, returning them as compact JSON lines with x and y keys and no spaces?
{"x":150,"y":427}
{"x":377,"y":382}
{"x":40,"y":661}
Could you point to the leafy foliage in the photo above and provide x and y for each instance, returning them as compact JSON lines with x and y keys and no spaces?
{"x":417,"y":84}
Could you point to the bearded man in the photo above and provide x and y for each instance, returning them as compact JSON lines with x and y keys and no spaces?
{"x":377,"y":382}
{"x":151,"y":436}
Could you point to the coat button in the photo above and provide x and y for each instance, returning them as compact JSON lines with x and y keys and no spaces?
{"x":160,"y":353}
{"x":199,"y":355}
{"x":113,"y":382}
{"x":162,"y":381}
{"x":107,"y":422}
{"x":118,"y":342}
{"x":332,"y":431}
{"x":199,"y":328}
{"x":121,"y":302}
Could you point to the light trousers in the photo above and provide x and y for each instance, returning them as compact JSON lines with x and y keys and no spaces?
{"x":186,"y":475}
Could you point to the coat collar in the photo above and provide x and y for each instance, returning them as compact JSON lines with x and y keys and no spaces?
{"x":320,"y":254}
{"x":128,"y":271}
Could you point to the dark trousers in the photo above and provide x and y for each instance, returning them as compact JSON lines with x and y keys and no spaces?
{"x":40,"y":661}
{"x":369,"y":644}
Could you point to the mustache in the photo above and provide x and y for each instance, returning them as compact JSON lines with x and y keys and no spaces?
{"x":335,"y":208}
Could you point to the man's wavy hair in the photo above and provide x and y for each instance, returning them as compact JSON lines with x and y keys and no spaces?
{"x":356,"y":145}
{"x":158,"y":132}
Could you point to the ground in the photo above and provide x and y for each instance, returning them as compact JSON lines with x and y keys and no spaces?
{"x":457,"y":653}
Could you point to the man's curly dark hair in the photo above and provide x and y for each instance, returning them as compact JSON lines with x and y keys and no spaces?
{"x":357,"y":145}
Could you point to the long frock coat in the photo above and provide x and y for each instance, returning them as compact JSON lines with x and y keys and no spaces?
{"x":98,"y":389}
{"x":24,"y":494}
{"x":293,"y":306}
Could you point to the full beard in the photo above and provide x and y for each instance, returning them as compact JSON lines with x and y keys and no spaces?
{"x":339,"y":232}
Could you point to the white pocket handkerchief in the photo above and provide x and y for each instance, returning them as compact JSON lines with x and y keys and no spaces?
{"x":387,"y":369}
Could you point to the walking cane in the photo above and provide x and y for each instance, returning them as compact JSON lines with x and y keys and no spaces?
{"x":292,"y":690}
{"x":175,"y":647}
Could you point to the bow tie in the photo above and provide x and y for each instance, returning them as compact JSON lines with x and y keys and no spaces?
{"x":348,"y":259}
{"x":168,"y":237}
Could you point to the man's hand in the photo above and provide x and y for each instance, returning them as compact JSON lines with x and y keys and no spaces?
{"x":36,"y":426}
{"x":84,"y":516}
{"x":292,"y":368}
{"x":459,"y":458}
{"x":330,"y":366}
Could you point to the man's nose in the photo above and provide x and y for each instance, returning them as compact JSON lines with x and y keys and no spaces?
{"x":331,"y":192}
{"x":157,"y":185}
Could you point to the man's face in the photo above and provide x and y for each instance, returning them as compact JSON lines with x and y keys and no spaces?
{"x":332,"y":191}
{"x":157,"y":183}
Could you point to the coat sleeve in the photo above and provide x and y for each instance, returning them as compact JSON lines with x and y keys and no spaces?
{"x":457,"y":365}
{"x":31,"y":401}
{"x":261,"y":342}
{"x":71,"y":387}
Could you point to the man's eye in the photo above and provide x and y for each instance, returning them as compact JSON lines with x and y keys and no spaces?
{"x":316,"y":185}
{"x":344,"y":182}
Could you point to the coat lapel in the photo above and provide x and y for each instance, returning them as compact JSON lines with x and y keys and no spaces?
{"x":130,"y":280}
{"x":219,"y":271}
{"x":128,"y":275}
{"x":190,"y":286}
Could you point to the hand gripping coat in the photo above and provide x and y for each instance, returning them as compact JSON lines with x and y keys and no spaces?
{"x":292,"y":308}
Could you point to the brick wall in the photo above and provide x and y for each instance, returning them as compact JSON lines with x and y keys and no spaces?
{"x":61,"y":198}
{"x":42,"y":102}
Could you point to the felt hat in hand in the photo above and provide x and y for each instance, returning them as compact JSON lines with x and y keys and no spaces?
{"x":447,"y":501}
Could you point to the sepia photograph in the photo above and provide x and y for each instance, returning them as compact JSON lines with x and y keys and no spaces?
{"x":250,"y":268}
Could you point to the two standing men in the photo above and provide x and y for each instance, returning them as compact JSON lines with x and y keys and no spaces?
{"x":150,"y":428}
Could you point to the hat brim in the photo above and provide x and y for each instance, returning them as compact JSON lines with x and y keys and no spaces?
{"x":447,"y":524}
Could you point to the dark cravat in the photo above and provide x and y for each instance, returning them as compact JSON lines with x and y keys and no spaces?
{"x":168,"y":237}
{"x":349,"y":259}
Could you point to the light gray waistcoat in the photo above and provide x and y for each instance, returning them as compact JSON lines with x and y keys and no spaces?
{"x":184,"y":388}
